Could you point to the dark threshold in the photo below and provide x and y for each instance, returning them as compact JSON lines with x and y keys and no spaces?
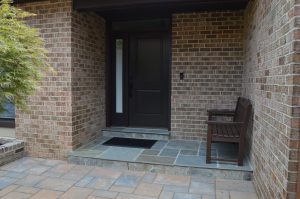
{"x":130,"y":142}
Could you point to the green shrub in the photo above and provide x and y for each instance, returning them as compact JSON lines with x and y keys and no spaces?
{"x":23,"y":57}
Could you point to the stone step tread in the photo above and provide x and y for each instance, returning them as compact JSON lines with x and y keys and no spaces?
{"x":138,"y":130}
{"x":209,"y":172}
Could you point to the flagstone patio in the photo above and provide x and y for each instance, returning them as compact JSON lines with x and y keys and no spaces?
{"x":165,"y":156}
{"x":45,"y":179}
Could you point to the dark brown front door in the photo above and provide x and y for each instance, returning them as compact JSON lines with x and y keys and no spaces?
{"x":140,"y":58}
{"x":148,"y":80}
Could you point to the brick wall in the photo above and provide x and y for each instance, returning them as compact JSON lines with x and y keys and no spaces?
{"x":88,"y":77}
{"x":293,"y":102}
{"x":271,"y":80}
{"x":62,"y":115}
{"x":208,"y":48}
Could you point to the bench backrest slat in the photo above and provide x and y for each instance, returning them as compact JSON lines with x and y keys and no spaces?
{"x":243,"y":111}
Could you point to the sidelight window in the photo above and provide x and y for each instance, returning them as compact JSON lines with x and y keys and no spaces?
{"x":119,"y":75}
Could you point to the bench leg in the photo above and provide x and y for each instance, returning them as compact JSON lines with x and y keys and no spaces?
{"x":208,"y":146}
{"x":241,"y":154}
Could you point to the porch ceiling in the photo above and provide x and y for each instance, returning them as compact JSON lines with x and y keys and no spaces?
{"x":151,"y":8}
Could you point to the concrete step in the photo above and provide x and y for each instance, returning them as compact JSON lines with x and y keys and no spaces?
{"x":140,"y":133}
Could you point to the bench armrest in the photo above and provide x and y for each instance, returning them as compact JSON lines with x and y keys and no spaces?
{"x":221,"y":112}
{"x":210,"y":122}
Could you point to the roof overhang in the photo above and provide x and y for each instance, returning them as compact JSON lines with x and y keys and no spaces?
{"x":123,"y":9}
{"x":150,"y":8}
{"x":106,"y":5}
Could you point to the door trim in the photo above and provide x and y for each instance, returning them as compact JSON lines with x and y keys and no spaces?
{"x":108,"y":81}
{"x":298,"y":180}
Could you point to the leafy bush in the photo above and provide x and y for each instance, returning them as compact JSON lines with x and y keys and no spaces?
{"x":23,"y":57}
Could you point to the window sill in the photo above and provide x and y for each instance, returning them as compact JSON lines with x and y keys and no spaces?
{"x":7,"y":123}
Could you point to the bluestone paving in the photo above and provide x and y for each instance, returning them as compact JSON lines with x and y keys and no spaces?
{"x":30,"y":180}
{"x":121,"y":153}
{"x":176,"y":189}
{"x":149,"y":177}
{"x":128,"y":181}
{"x":188,"y":152}
{"x":150,"y":152}
{"x":50,"y":163}
{"x":6,"y":181}
{"x":193,"y":160}
{"x":84,"y":181}
{"x":2,"y":173}
{"x":186,"y":196}
{"x":202,"y":179}
{"x":77,"y":193}
{"x":239,"y":195}
{"x":105,"y":173}
{"x":26,"y":189}
{"x":37,"y":170}
{"x":76,"y":173}
{"x":100,"y":147}
{"x":8,"y":189}
{"x":214,"y":152}
{"x":55,"y":184}
{"x":105,"y":194}
{"x":132,"y":196}
{"x":47,"y":194}
{"x":88,"y":153}
{"x":202,"y":188}
{"x":122,"y":189}
{"x":13,"y":174}
{"x":16,"y":195}
{"x":156,"y":159}
{"x":100,"y":183}
{"x":166,"y":195}
{"x":172,"y":180}
{"x":229,"y":185}
{"x":173,"y":153}
{"x":148,"y":189}
{"x":169,"y":152}
{"x":97,"y":183}
{"x":183,"y":144}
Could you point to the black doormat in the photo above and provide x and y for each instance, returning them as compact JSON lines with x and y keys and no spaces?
{"x":130,"y":142}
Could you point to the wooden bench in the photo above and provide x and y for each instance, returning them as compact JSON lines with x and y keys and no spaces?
{"x":229,"y":131}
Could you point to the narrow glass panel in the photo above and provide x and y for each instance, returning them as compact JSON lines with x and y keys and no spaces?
{"x":119,"y":76}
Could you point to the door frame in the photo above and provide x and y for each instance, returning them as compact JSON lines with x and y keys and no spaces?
{"x":298,"y":180}
{"x":109,"y":72}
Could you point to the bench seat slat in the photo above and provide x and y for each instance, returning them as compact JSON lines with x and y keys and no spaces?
{"x":225,"y":131}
